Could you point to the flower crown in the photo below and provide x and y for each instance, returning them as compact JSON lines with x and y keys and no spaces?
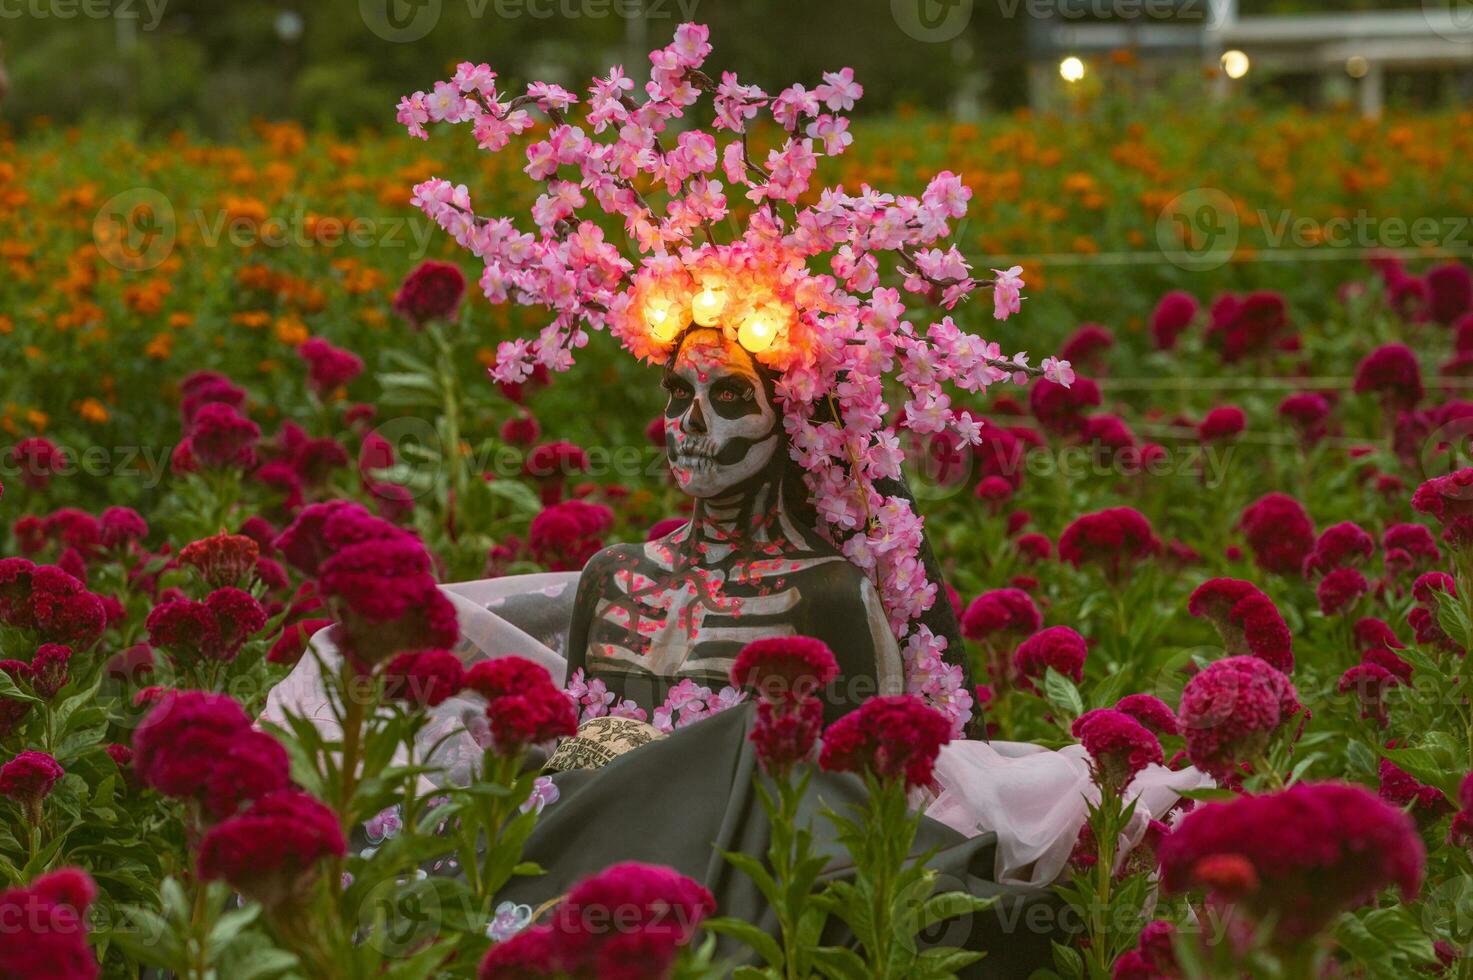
{"x":833,"y":337}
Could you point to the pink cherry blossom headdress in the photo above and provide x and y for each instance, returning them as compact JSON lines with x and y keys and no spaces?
{"x":833,"y":337}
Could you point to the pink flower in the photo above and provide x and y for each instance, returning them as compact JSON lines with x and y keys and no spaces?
{"x":785,"y":668}
{"x":270,"y":853}
{"x":1007,"y":292}
{"x":888,"y":738}
{"x":1316,"y":848}
{"x":1151,"y":712}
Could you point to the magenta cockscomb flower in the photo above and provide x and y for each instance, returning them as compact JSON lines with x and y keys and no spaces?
{"x":1279,"y":531}
{"x":1001,"y":611}
{"x":1119,"y":746}
{"x":889,"y":738}
{"x":424,"y":678}
{"x":1058,"y":647}
{"x":784,"y":668}
{"x":1246,"y":619}
{"x":272,"y":851}
{"x":1314,"y":850}
{"x":1231,"y":710}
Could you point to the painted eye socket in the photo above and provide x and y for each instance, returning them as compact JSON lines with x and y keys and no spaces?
{"x":677,"y":388}
{"x":726,"y":395}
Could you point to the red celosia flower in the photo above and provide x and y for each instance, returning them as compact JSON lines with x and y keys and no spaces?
{"x":1173,"y":314}
{"x":48,"y":674}
{"x":185,"y":628}
{"x":1151,"y":712}
{"x":328,"y":367}
{"x":60,"y":608}
{"x":419,"y":616}
{"x":1400,"y":789}
{"x":1279,"y":531}
{"x":1246,"y":619}
{"x":667,"y":525}
{"x":1449,"y":292}
{"x":46,"y":928}
{"x":121,"y":755}
{"x":247,"y":767}
{"x":221,"y":438}
{"x":1231,"y":710}
{"x":1392,"y":373}
{"x":292,"y":643}
{"x":1429,"y":587}
{"x":322,"y":530}
{"x":179,"y":741}
{"x":999,"y":454}
{"x":204,"y":388}
{"x":1001,"y":611}
{"x":521,"y":429}
{"x":271,"y":851}
{"x":1119,"y":747}
{"x":1369,"y":682}
{"x":13,"y":712}
{"x":1247,"y":326}
{"x":1086,"y":347}
{"x":565,"y":535}
{"x":1449,"y":499}
{"x":1340,"y":590}
{"x":74,"y":529}
{"x":1116,"y":537}
{"x":1308,"y":412}
{"x":222,"y":559}
{"x":782,"y":668}
{"x":656,"y":910}
{"x":550,"y":464}
{"x":889,"y":738}
{"x":1316,"y":848}
{"x":1034,"y":547}
{"x":431,"y":292}
{"x":785,"y":734}
{"x":1108,"y":436}
{"x":1061,"y":410}
{"x":423,"y":678}
{"x":1223,"y":422}
{"x":1414,"y":546}
{"x":523,"y":705}
{"x":119,"y":527}
{"x":37,"y":459}
{"x":28,"y":779}
{"x":239,"y":616}
{"x":131,"y":664}
{"x":1058,"y":647}
{"x":1343,"y":544}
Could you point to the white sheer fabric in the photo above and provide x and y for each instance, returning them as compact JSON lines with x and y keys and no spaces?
{"x":1033,"y":798}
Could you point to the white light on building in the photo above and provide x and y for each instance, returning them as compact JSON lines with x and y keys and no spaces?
{"x":1356,"y":66}
{"x":1234,"y":63}
{"x":1071,"y":69}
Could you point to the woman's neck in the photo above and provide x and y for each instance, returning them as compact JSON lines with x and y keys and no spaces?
{"x":746,"y":520}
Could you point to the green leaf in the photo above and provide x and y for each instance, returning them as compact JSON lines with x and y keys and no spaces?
{"x":9,"y":690}
{"x":1061,"y":693}
{"x":229,"y":925}
{"x":941,"y":963}
{"x":840,"y":963}
{"x":744,"y":932}
{"x":939,"y":908}
{"x":262,"y":963}
{"x":1453,"y":619}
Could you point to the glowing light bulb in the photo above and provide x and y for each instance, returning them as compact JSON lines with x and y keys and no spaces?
{"x":757,"y":332}
{"x":1235,"y":64}
{"x":1071,"y":69}
{"x":707,"y":305}
{"x":663,"y":322}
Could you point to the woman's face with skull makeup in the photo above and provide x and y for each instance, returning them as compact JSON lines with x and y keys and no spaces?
{"x":721,"y":428}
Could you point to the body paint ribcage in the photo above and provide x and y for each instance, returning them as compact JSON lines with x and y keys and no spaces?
{"x":658,"y":620}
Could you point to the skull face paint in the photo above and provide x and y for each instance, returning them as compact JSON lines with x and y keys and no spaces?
{"x":721,"y":429}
